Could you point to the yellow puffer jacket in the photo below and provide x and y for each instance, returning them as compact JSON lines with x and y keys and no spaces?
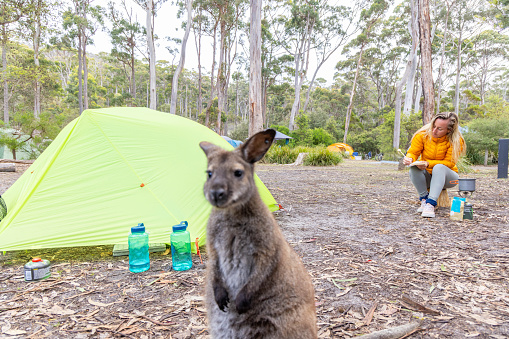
{"x":434,"y":151}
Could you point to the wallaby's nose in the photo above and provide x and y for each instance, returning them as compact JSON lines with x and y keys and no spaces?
{"x":218,"y":195}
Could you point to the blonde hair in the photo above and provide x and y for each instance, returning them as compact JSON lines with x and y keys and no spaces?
{"x":459,"y":147}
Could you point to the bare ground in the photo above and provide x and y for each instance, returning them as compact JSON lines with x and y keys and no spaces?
{"x":375,"y":264}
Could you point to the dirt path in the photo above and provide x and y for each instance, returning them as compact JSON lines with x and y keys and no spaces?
{"x":356,"y":229}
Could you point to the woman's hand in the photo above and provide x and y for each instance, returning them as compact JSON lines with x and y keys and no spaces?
{"x":407,"y":161}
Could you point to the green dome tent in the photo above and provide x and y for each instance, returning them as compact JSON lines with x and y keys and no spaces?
{"x":107,"y":171}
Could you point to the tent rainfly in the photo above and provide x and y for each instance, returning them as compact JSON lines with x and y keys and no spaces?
{"x":108,"y":170}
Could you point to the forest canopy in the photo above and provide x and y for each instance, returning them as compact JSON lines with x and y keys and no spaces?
{"x":49,"y":76}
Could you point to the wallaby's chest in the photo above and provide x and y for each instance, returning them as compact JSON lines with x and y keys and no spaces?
{"x":235,"y":256}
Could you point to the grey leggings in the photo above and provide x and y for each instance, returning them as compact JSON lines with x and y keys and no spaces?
{"x":438,"y":180}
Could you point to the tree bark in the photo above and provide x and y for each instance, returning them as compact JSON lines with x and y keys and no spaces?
{"x":350,"y":105}
{"x":36,"y":44}
{"x":85,"y":66}
{"x":255,"y":73}
{"x":415,"y":41}
{"x":212,"y":87}
{"x":174,"y":86}
{"x":4,"y":71}
{"x":152,"y":56}
{"x":427,"y":68}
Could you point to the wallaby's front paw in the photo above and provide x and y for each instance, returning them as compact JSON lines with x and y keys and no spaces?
{"x":243,"y":302}
{"x":221,"y":296}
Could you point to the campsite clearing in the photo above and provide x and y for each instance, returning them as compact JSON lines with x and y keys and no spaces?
{"x":375,"y":264}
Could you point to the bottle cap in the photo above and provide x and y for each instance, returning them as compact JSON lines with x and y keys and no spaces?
{"x":36,"y":260}
{"x":138,"y":229}
{"x":180,"y":227}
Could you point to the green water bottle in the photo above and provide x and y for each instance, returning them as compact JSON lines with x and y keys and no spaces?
{"x":139,"y":260}
{"x":181,"y":247}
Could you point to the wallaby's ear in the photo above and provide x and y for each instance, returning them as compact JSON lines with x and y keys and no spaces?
{"x":255,"y":147}
{"x":207,"y":147}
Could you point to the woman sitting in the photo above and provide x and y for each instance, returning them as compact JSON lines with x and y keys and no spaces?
{"x":439,"y":144}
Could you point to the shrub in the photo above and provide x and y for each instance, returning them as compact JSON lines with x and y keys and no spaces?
{"x":280,"y":155}
{"x":321,"y":156}
{"x":464,"y":166}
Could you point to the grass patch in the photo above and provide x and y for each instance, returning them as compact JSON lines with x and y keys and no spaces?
{"x":321,"y":156}
{"x":102,"y":253}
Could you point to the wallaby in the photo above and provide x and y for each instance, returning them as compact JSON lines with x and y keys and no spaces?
{"x":257,"y":286}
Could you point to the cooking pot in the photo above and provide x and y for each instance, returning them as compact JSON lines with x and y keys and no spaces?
{"x":464,"y":184}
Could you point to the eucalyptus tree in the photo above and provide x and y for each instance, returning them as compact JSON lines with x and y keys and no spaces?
{"x":227,"y":17}
{"x":36,"y":26}
{"x":80,"y":24}
{"x":174,"y":87}
{"x":297,"y":39}
{"x":199,"y":21}
{"x":409,"y":75}
{"x":126,"y":39}
{"x":11,"y":11}
{"x":151,"y":7}
{"x":465,"y":28}
{"x":338,"y":25}
{"x":368,"y":20}
{"x":255,"y":70}
{"x":491,"y":50}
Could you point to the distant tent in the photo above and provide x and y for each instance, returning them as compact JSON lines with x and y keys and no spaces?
{"x":234,"y":143}
{"x":107,"y":171}
{"x":281,"y":136}
{"x":340,"y":147}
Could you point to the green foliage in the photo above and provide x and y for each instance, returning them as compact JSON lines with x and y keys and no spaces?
{"x":482,"y":135}
{"x":240,"y":132}
{"x":321,"y":137}
{"x":280,"y":155}
{"x":464,"y":166}
{"x":321,"y":156}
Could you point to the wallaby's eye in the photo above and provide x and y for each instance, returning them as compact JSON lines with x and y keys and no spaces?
{"x":209,"y":174}
{"x":238,"y":173}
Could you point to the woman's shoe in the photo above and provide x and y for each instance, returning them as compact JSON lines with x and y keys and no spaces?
{"x":428,"y":211}
{"x":423,"y":203}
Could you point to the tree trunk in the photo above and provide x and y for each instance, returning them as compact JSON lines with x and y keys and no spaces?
{"x":80,"y":69}
{"x":198,"y":51}
{"x":415,"y":41}
{"x":4,"y":71}
{"x":427,"y":68}
{"x":301,"y":54}
{"x":85,"y":65}
{"x":350,"y":105}
{"x":417,"y":104}
{"x":439,"y":89}
{"x":255,"y":71}
{"x":152,"y":56}
{"x":36,"y":44}
{"x":399,"y":87}
{"x":458,"y":73}
{"x":211,"y":98}
{"x":174,"y":86}
{"x":221,"y":77}
{"x":486,"y":157}
{"x":85,"y":75}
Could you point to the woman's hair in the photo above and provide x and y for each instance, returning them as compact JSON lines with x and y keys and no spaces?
{"x":459,"y":147}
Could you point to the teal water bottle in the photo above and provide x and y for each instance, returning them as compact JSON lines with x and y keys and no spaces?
{"x":139,"y":260}
{"x":181,"y":247}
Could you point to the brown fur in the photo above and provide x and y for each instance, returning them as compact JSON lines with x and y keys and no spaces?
{"x":257,"y":286}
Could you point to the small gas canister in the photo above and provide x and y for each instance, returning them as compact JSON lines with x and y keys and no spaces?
{"x":37,"y":269}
